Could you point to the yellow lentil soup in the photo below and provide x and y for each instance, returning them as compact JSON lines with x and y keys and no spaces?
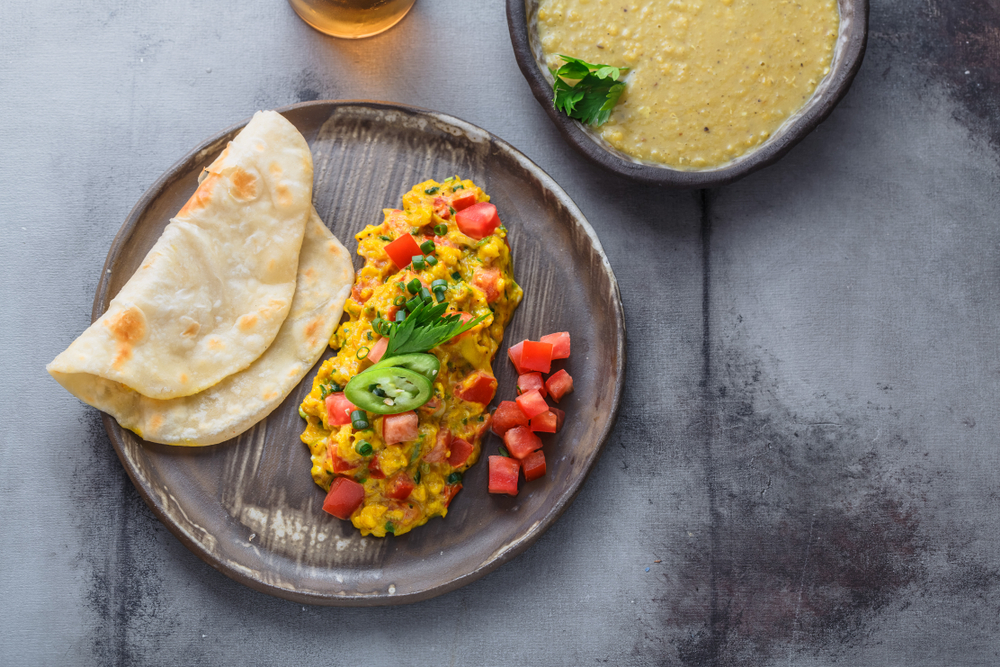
{"x":407,"y":482}
{"x":709,"y":80}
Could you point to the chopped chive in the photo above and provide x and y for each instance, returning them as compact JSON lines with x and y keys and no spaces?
{"x":427,"y":246}
{"x":424,"y":294}
{"x":302,"y":414}
{"x":452,"y":209}
{"x":439,"y":284}
{"x":441,"y":229}
{"x":504,"y":452}
{"x":416,"y":477}
{"x":400,"y":315}
{"x":370,"y":337}
{"x":455,"y":478}
{"x":457,"y":186}
{"x":359,"y":420}
{"x":324,"y":391}
{"x":399,"y":300}
{"x":413,"y":286}
{"x":456,"y":275}
{"x":363,"y":447}
{"x":401,"y":285}
{"x":432,"y":191}
{"x":418,"y":262}
{"x":334,"y":388}
{"x":362,"y":352}
{"x":431,"y":260}
{"x":412,"y":304}
{"x":389,"y":528}
{"x":385,"y":238}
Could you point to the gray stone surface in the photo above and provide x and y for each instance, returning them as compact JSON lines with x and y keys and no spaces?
{"x":806,"y":458}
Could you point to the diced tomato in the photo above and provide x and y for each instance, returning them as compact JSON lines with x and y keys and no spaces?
{"x":463,"y":199}
{"x":441,"y":208}
{"x":400,"y":428}
{"x":449,"y":491}
{"x":534,"y":465}
{"x":375,"y":468}
{"x":560,"y":344}
{"x":410,"y":512}
{"x":460,"y":452}
{"x":560,"y":417}
{"x":378,"y":349}
{"x":338,"y":464}
{"x":338,"y":409}
{"x":547,"y":422}
{"x":444,"y":241}
{"x":536,"y":356}
{"x":520,"y":442}
{"x":479,"y":220}
{"x":432,"y":406}
{"x":478,"y":387}
{"x":507,"y":416}
{"x":440,"y":450}
{"x":399,"y":486}
{"x":503,"y":475}
{"x":344,"y":497}
{"x":514,"y":353}
{"x":363,"y":288}
{"x":529,"y":381}
{"x":402,"y":250}
{"x":559,"y":384}
{"x":532,"y":404}
{"x":488,"y":280}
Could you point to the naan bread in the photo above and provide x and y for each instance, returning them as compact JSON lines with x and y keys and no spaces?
{"x":232,"y":406}
{"x":213,"y":291}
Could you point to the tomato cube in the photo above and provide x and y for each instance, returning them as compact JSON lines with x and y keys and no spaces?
{"x":520,"y":442}
{"x":478,"y":387}
{"x":529,"y":381}
{"x":461,"y":450}
{"x":507,"y":416}
{"x":402,"y":250}
{"x":441,"y":208}
{"x":463,"y":199}
{"x":532,"y":404}
{"x":440,"y":451}
{"x":560,"y":344}
{"x":378,"y":349}
{"x":399,"y":486}
{"x":400,"y":428}
{"x":344,"y":497}
{"x":338,"y":409}
{"x":479,"y":220}
{"x":559,"y":384}
{"x":547,"y":422}
{"x":534,"y":465}
{"x":560,"y":417}
{"x":375,"y":468}
{"x":449,"y":491}
{"x":536,"y":356}
{"x":488,"y":280}
{"x":503,"y":475}
{"x":514,"y":353}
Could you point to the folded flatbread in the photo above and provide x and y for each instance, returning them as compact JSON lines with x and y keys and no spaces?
{"x":214,"y":290}
{"x":232,"y":406}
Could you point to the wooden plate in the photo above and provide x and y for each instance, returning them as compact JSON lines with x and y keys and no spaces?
{"x":249,"y":507}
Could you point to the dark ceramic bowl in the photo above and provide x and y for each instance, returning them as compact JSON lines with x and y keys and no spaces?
{"x":522,"y":21}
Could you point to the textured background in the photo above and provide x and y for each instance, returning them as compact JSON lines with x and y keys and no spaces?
{"x":807,"y":444}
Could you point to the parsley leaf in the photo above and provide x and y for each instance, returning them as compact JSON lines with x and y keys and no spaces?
{"x":595,"y":92}
{"x":425,"y":327}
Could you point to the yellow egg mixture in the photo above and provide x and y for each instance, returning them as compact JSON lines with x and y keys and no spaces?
{"x":709,"y":79}
{"x":464,"y":263}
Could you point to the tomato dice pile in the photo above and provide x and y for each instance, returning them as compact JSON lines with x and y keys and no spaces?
{"x":519,"y":421}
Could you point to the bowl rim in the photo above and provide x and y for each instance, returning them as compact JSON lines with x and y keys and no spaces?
{"x":855,"y":40}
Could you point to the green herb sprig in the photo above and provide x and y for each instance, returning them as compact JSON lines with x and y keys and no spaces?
{"x":425,"y":327}
{"x":594,"y":94}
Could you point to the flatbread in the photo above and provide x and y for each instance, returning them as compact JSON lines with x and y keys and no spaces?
{"x":232,"y":406}
{"x":213,"y":291}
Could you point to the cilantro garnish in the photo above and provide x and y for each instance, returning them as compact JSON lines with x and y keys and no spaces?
{"x":425,"y":327}
{"x":594,"y":94}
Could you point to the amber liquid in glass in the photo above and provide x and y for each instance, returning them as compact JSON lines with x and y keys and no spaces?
{"x":352,"y":19}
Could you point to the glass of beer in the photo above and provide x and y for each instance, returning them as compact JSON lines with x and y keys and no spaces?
{"x":351,"y":19}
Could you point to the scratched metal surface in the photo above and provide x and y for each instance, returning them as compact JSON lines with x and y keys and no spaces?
{"x":806,"y":459}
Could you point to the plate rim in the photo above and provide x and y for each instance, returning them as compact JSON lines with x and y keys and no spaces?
{"x":510,"y":550}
